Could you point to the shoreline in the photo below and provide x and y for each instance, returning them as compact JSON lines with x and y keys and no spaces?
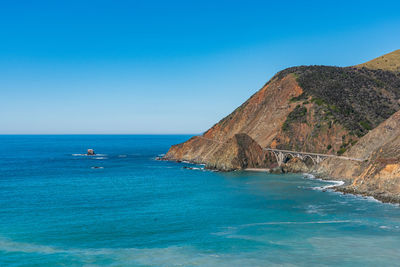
{"x":257,"y":170}
{"x":346,"y":188}
{"x":343,"y":187}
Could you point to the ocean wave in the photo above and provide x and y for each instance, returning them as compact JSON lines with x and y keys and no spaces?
{"x":294,"y":222}
{"x":308,"y":176}
{"x":194,"y":168}
{"x":326,"y":187}
{"x":12,"y":246}
{"x":315,"y":209}
{"x":334,"y":183}
{"x":168,"y":256}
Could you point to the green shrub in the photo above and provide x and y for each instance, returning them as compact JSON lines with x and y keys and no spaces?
{"x":366,"y":125}
{"x":341,"y":151}
{"x":318,"y":101}
{"x":297,"y":115}
{"x":329,"y":147}
{"x":303,"y":96}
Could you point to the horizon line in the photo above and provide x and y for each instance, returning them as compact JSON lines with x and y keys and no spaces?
{"x":99,"y":134}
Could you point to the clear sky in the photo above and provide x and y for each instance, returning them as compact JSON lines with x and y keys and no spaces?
{"x":167,"y":66}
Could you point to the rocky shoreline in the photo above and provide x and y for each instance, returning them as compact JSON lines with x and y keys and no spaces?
{"x":382,"y":197}
{"x":345,"y":188}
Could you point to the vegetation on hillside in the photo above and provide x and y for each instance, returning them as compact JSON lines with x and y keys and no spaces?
{"x":297,"y":115}
{"x":357,"y":98}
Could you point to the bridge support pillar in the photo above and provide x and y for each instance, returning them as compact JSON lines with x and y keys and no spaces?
{"x":280,"y":157}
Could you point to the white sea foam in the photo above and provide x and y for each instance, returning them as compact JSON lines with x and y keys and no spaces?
{"x":315,"y":209}
{"x":308,"y":176}
{"x":194,"y":168}
{"x":292,"y":222}
{"x":334,"y":183}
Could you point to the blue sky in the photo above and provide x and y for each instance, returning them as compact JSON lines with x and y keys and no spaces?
{"x":167,"y":66}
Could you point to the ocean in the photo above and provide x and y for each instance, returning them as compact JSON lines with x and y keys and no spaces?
{"x":124,"y":208}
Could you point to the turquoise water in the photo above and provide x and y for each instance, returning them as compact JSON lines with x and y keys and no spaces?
{"x":56,"y":210}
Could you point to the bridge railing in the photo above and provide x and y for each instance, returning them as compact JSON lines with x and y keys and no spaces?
{"x":296,"y":152}
{"x":313,"y":154}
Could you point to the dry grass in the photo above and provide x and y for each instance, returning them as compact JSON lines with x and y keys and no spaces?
{"x":389,"y":61}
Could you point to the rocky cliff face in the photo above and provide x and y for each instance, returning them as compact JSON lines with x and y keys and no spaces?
{"x":320,"y":109}
{"x":239,"y":152}
{"x":379,"y":174}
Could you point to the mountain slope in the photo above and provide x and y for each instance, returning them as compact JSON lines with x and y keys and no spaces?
{"x":308,"y":108}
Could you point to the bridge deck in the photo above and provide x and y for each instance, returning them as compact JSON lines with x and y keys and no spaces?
{"x":312,"y":154}
{"x":296,"y":152}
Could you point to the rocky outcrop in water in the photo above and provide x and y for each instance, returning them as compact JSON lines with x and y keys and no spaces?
{"x":239,"y":152}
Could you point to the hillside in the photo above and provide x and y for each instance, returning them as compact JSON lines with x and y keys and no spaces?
{"x":389,"y":62}
{"x":309,"y":108}
{"x":379,"y":174}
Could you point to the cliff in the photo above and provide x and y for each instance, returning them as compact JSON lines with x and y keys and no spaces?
{"x":322,"y":109}
{"x":379,"y":174}
{"x":239,"y":152}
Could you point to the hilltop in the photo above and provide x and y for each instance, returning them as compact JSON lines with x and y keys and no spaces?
{"x":390,"y":61}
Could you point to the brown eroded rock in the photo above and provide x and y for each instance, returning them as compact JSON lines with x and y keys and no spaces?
{"x":239,"y":152}
{"x":295,"y":165}
{"x":379,"y":174}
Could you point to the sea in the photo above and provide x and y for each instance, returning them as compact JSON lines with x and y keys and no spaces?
{"x":122,"y":207}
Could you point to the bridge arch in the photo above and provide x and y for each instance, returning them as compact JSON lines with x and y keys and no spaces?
{"x":311,"y":158}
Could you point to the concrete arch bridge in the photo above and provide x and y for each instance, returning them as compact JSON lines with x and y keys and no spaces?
{"x":282,"y":155}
